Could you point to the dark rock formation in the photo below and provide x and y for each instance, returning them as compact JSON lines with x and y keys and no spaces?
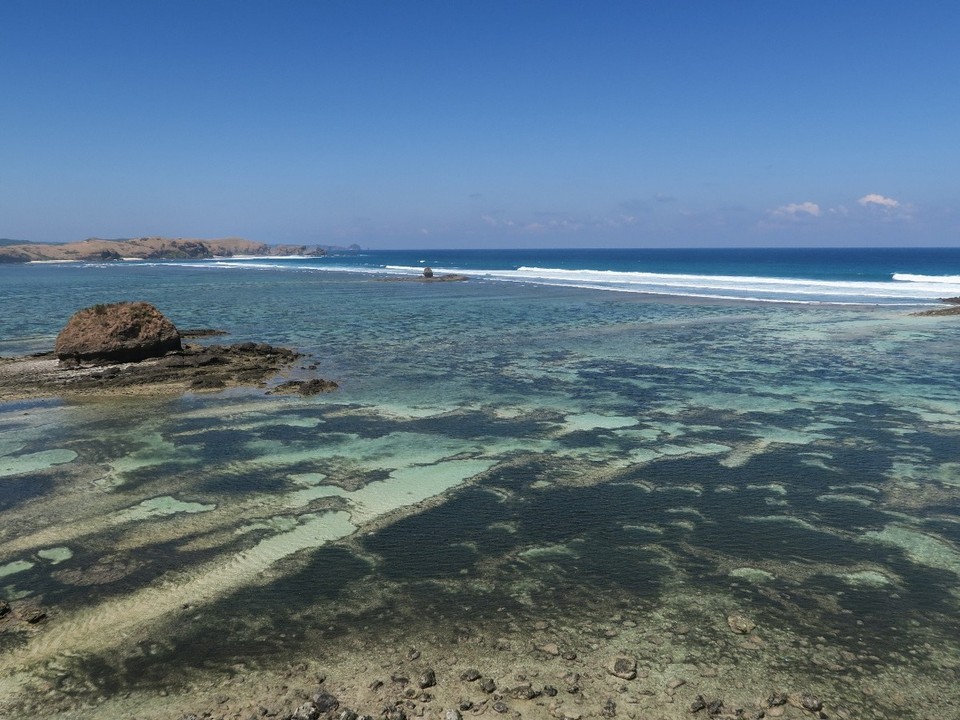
{"x":305,"y":387}
{"x":623,"y":667}
{"x":121,"y":332}
{"x":428,"y":272}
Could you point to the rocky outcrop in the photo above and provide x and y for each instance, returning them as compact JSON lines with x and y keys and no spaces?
{"x":195,"y":368}
{"x":116,"y":333}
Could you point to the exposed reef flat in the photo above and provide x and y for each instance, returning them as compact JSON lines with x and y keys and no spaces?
{"x":449,"y":277}
{"x":194,"y":368}
{"x":952,"y":310}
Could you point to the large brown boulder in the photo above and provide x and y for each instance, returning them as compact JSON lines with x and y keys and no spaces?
{"x":121,"y":332}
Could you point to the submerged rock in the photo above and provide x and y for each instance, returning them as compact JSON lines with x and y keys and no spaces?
{"x":623,"y":667}
{"x":740,"y":625}
{"x":427,"y":680}
{"x":305,"y":387}
{"x":120,"y":332}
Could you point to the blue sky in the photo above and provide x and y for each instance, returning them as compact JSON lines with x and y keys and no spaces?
{"x":482,"y":124}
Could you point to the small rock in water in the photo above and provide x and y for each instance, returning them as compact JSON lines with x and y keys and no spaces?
{"x":488,"y":685}
{"x":811,"y":702}
{"x":524,"y":692}
{"x":698,"y":704}
{"x":307,"y":711}
{"x":428,"y":272}
{"x":428,"y":679}
{"x":500,"y":707}
{"x":777,"y":699}
{"x":740,"y":625}
{"x":34,"y":615}
{"x":325,"y":702}
{"x":623,"y":667}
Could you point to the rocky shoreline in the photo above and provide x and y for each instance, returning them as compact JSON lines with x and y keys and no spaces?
{"x":131,"y":348}
{"x":195,"y":368}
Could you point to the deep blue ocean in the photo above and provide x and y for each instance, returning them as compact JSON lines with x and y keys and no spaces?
{"x":817,"y":275}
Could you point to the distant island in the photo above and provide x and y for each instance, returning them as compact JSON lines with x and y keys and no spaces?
{"x":151,"y":248}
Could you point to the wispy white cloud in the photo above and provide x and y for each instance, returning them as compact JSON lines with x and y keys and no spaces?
{"x":878,"y":200}
{"x":796,"y":211}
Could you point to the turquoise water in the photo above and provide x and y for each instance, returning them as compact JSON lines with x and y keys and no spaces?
{"x":499,"y":454}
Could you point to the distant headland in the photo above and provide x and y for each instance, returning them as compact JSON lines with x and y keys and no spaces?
{"x":151,"y":248}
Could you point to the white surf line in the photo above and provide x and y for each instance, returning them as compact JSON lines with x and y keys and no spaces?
{"x":103,"y":627}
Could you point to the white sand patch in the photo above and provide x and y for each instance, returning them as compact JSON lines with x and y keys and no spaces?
{"x":921,"y":548}
{"x":775,"y":488}
{"x":686,"y":510}
{"x":741,"y":454}
{"x":31,"y":462}
{"x":384,"y":453}
{"x":593,"y":421}
{"x":279,"y":524}
{"x":397,"y":411}
{"x":752,"y":574}
{"x":548,"y":552}
{"x":841,"y":498}
{"x":642,"y":456}
{"x":159,"y":507}
{"x":406,"y":486}
{"x":10,"y":446}
{"x":156,"y":450}
{"x":919,"y":470}
{"x":786,"y":436}
{"x":784,"y":519}
{"x":642,"y":435}
{"x":692,"y":489}
{"x":644,"y":528}
{"x":15,"y":567}
{"x":288,"y":420}
{"x":55,"y":555}
{"x":857,"y":486}
{"x":866,"y":578}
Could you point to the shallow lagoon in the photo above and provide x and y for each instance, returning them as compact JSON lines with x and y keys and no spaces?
{"x":504,"y":468}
